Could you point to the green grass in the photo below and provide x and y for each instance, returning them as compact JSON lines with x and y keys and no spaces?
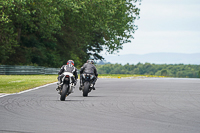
{"x":17,"y":83}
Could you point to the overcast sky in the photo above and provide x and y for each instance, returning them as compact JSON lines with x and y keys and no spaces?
{"x":166,"y":26}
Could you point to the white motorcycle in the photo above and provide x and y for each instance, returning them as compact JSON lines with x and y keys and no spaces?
{"x":67,"y":85}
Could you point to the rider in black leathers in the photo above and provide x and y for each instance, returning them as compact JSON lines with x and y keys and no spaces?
{"x":67,"y":68}
{"x":88,"y":68}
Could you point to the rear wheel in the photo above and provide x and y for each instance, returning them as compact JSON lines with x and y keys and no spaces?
{"x":64,"y":92}
{"x":86,"y":89}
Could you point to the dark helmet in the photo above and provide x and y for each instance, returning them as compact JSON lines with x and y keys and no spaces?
{"x":90,"y":61}
{"x":70,"y":62}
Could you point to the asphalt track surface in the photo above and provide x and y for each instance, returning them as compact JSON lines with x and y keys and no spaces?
{"x":116,"y":106}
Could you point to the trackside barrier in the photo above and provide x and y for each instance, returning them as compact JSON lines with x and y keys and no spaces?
{"x":26,"y":70}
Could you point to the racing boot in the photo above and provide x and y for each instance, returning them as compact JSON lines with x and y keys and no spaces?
{"x":58,"y":85}
{"x":81,"y":86}
{"x":72,"y":88}
{"x":75,"y":82}
{"x":59,"y":92}
{"x":58,"y":89}
{"x":92,"y":86}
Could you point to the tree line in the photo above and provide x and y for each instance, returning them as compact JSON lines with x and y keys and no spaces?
{"x":171,"y":70}
{"x":49,"y":32}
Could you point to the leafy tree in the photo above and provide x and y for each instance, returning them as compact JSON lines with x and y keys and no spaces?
{"x":91,"y":26}
{"x":164,"y":72}
{"x":199,"y":74}
{"x":176,"y":70}
{"x":24,"y":19}
{"x":47,"y":32}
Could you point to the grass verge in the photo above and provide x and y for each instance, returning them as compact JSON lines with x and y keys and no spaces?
{"x":17,"y":83}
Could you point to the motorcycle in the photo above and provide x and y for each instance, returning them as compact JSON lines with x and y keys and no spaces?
{"x":87,"y":81}
{"x":67,"y":86}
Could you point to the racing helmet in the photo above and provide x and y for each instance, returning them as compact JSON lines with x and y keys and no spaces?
{"x":70,"y":62}
{"x":90,"y":61}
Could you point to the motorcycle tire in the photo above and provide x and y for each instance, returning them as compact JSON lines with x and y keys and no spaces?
{"x":86,"y":89}
{"x":64,"y":92}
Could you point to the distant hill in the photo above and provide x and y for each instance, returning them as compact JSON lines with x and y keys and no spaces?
{"x":156,"y":58}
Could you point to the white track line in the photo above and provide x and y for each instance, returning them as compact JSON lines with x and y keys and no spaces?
{"x":3,"y":95}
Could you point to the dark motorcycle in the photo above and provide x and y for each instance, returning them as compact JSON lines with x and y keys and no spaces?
{"x":66,"y":87}
{"x":87,"y":81}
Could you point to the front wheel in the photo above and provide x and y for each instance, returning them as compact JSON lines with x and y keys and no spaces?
{"x":86,"y":89}
{"x":64,"y":92}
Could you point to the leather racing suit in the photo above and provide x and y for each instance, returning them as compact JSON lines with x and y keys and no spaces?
{"x":68,"y":68}
{"x":88,"y":68}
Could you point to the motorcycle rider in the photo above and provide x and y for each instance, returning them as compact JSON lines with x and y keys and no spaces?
{"x":88,"y":68}
{"x":67,"y":68}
